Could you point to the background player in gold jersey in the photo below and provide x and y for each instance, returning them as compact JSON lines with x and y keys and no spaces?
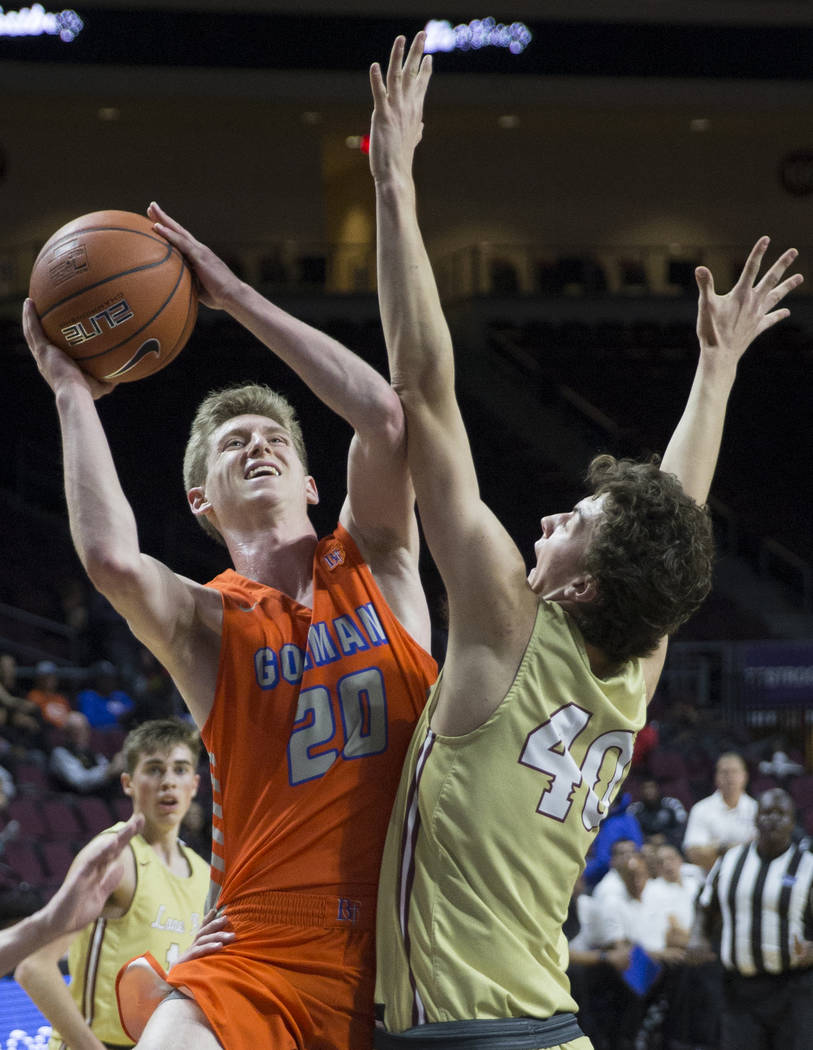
{"x":156,"y":906}
{"x":530,"y":728}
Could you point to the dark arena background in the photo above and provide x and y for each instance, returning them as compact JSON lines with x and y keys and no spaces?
{"x":579,"y":159}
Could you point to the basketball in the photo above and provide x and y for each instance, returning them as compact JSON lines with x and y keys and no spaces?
{"x":114,"y":295}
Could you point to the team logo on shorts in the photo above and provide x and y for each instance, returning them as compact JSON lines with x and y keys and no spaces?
{"x":348,"y":910}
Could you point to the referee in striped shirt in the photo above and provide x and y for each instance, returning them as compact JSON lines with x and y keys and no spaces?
{"x":757,"y":901}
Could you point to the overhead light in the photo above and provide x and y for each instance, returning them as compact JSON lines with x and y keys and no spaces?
{"x":508,"y":120}
{"x":699,"y":124}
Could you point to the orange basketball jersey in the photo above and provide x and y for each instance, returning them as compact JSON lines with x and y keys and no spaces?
{"x":313,"y":713}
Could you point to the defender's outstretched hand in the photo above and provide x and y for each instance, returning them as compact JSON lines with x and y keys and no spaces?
{"x":397,"y":123}
{"x":55,"y":365}
{"x":216,"y":282}
{"x":728,"y":324}
{"x":83,"y":894}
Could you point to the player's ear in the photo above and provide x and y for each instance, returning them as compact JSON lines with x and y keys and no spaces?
{"x":126,"y":782}
{"x":311,"y":492}
{"x":581,"y":590}
{"x":198,"y":501}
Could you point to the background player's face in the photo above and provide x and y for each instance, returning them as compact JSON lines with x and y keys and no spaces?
{"x":561,"y":548}
{"x":162,"y":786}
{"x":253,"y":463}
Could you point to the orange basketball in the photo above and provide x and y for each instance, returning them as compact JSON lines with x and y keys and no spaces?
{"x":115,"y":295}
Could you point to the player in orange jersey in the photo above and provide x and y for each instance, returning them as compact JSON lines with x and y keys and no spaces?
{"x":305,"y":668}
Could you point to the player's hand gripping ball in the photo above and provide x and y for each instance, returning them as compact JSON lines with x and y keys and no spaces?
{"x":115,"y":295}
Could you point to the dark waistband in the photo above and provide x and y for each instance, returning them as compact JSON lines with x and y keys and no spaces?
{"x":511,"y":1033}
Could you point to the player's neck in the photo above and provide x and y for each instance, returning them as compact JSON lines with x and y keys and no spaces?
{"x":280,"y":557}
{"x":164,"y":842}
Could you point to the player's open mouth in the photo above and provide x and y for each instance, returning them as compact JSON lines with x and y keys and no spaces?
{"x":263,"y":470}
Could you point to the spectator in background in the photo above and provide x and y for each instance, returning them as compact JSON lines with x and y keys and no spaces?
{"x":758,"y":898}
{"x":661,"y":817}
{"x":54,"y":706}
{"x":725,"y":818}
{"x":20,"y":719}
{"x":611,"y":884}
{"x":618,"y":824}
{"x":674,"y":870}
{"x":646,"y":914}
{"x":104,"y":705}
{"x":77,"y":768}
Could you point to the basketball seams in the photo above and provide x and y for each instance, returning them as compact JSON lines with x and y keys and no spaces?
{"x":107,"y":304}
{"x":113,"y":277}
{"x":92,"y":357}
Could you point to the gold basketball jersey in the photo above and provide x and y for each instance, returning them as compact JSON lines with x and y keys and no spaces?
{"x":163,"y":918}
{"x":489,"y":833}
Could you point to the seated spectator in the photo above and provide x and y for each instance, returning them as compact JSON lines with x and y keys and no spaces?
{"x":611,"y":884}
{"x":661,"y":817}
{"x":618,"y":824}
{"x":724,"y":819}
{"x":646,"y":915}
{"x":76,"y":767}
{"x":676,"y":887}
{"x":54,"y":706}
{"x":20,"y":719}
{"x":102,"y":703}
{"x":673,"y":867}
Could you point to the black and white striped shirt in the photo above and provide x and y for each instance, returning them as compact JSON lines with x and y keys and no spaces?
{"x":764,"y":905}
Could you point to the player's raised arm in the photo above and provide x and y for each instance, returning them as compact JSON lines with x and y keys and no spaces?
{"x":468,"y":544}
{"x":379,"y":512}
{"x":726,"y":327}
{"x":159,"y":606}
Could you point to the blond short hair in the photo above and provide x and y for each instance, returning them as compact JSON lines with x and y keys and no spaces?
{"x":246,"y":399}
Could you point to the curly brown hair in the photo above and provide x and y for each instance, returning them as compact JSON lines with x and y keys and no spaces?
{"x":218,"y":407}
{"x":651,"y":557}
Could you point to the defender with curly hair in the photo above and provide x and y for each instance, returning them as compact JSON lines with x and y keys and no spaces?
{"x":529,"y":730}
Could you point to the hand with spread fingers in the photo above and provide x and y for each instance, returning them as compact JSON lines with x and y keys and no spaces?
{"x":728,"y":324}
{"x":213,"y":935}
{"x":216,"y":283}
{"x":397,"y":122}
